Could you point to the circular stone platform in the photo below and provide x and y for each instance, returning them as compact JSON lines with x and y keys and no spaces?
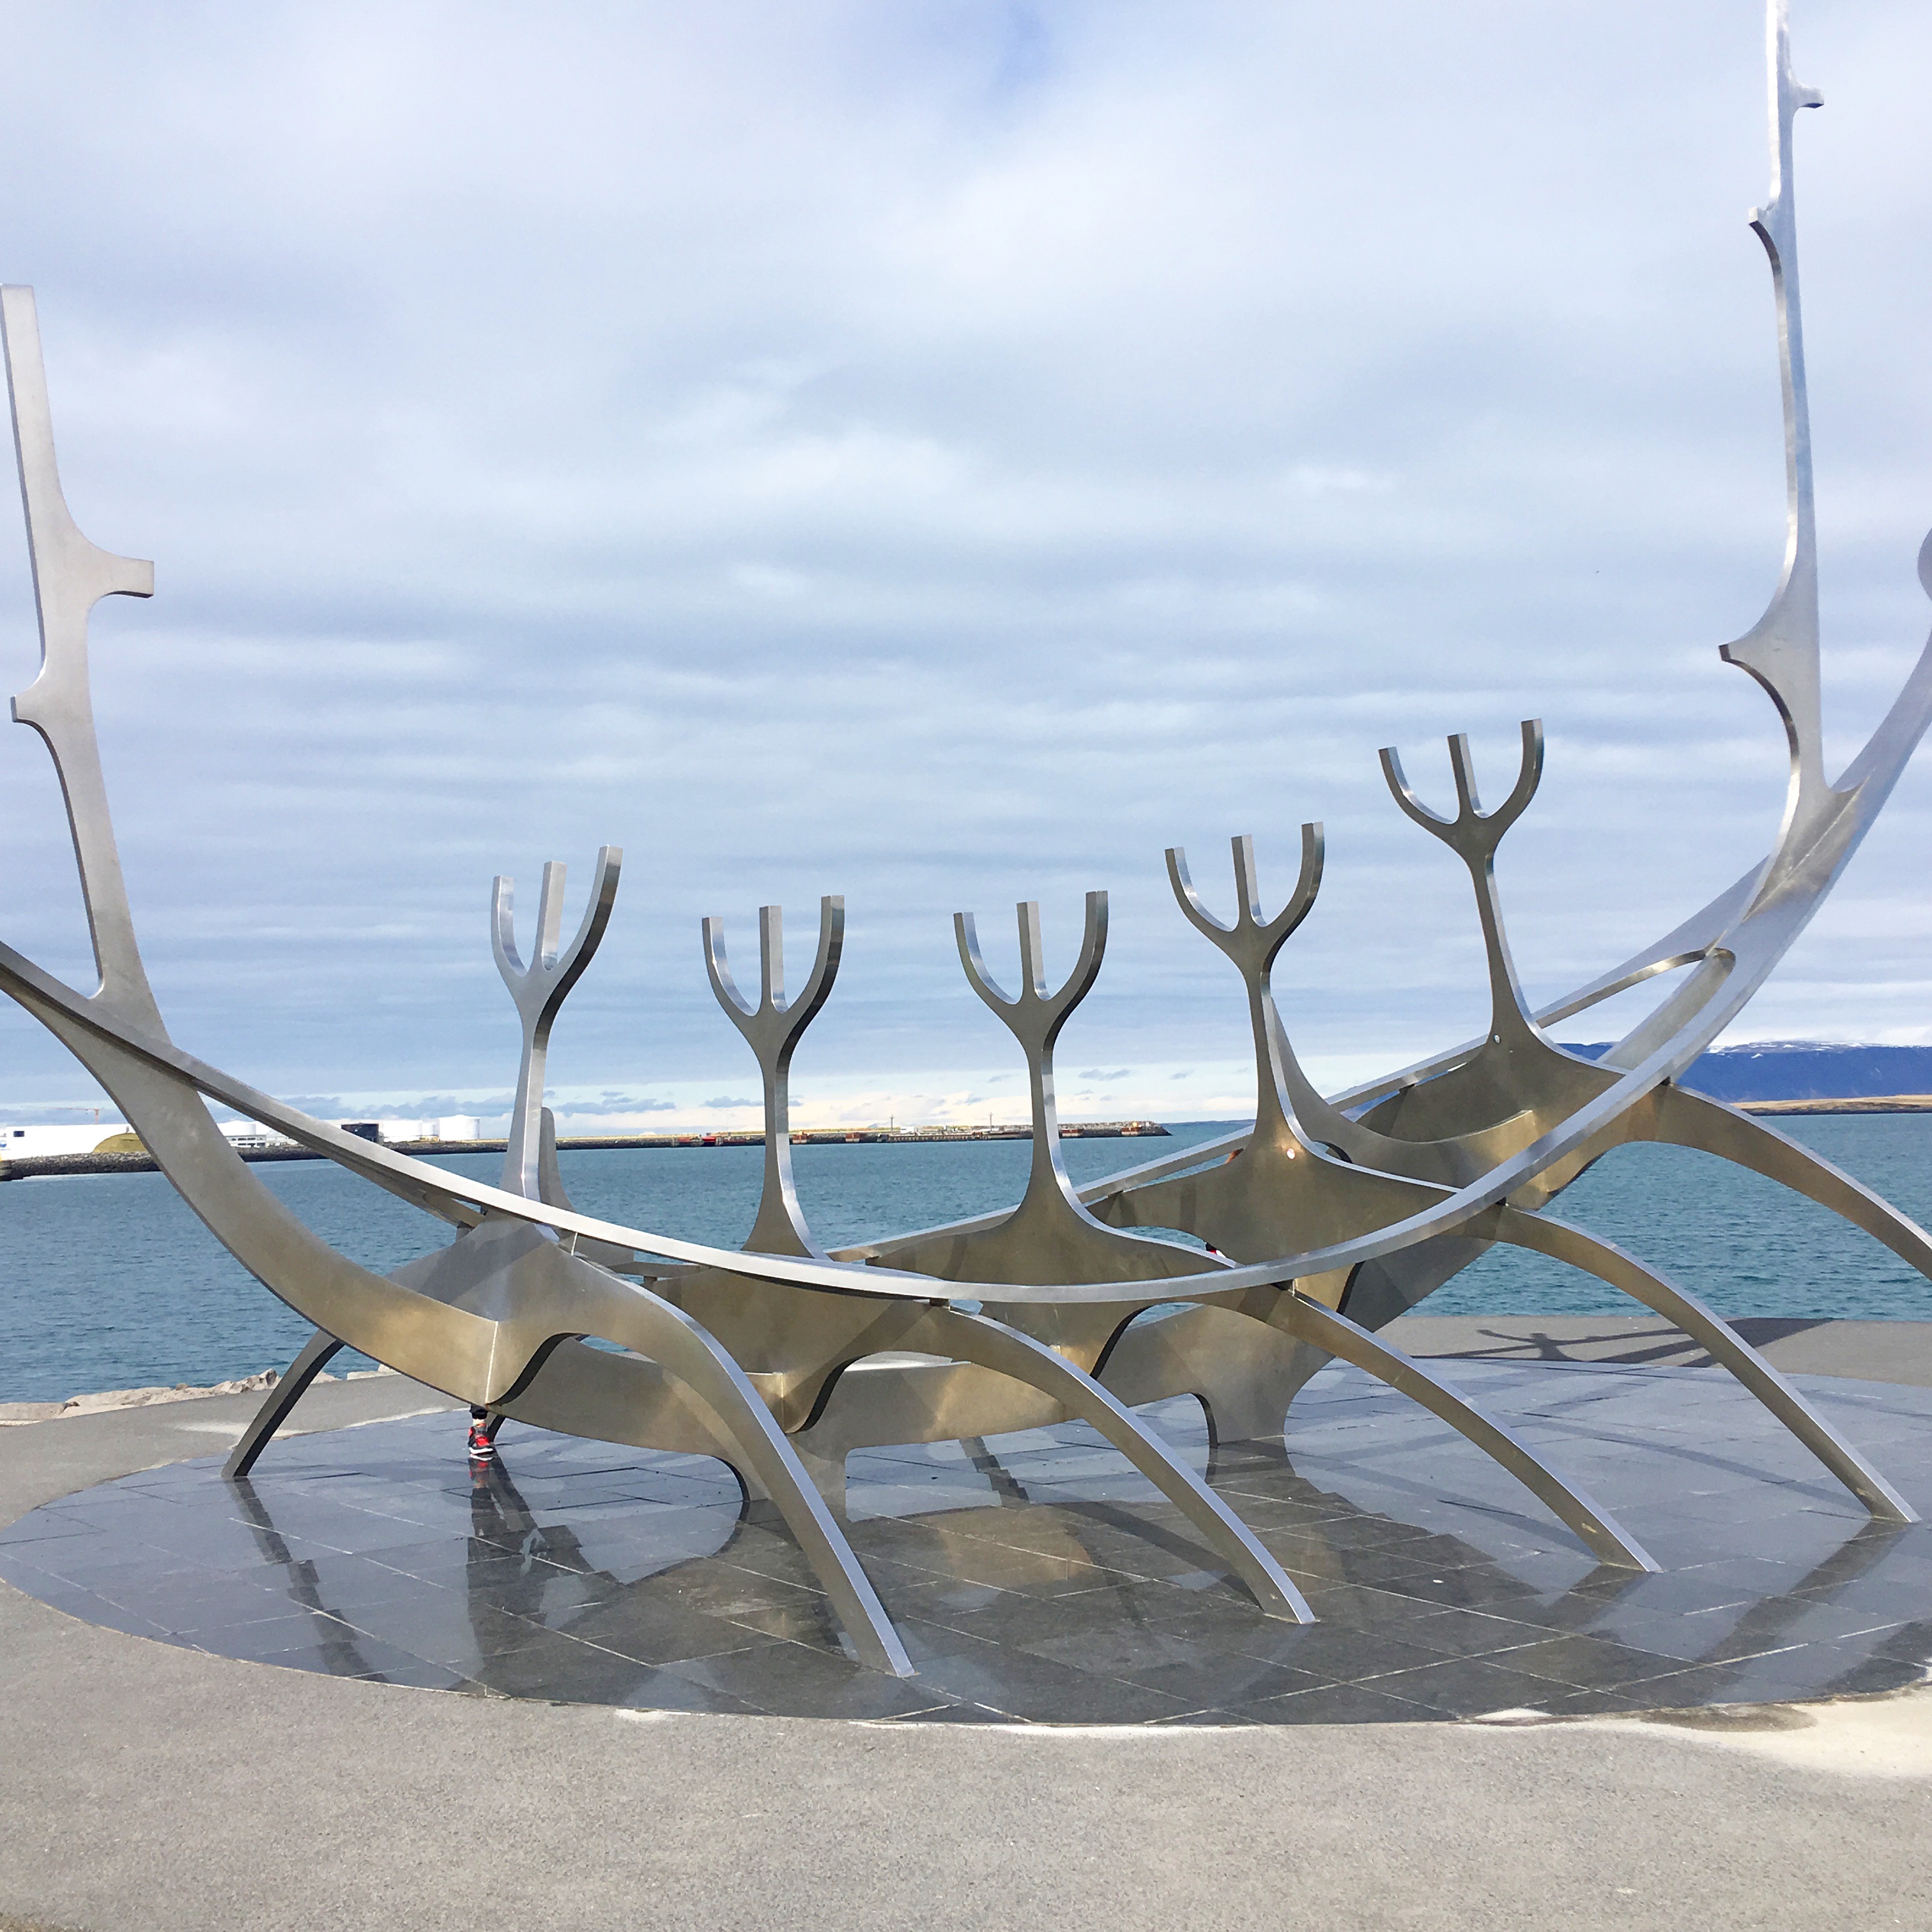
{"x":1035,"y":1577}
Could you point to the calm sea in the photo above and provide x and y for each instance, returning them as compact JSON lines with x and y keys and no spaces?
{"x":107,"y":1281}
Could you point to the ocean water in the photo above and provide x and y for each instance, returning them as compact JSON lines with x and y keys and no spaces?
{"x":109,"y":1281}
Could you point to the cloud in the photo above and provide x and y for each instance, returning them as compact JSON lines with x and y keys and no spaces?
{"x":723,"y":1100}
{"x":1097,"y":1073}
{"x":625,"y":1103}
{"x":1006,"y":446}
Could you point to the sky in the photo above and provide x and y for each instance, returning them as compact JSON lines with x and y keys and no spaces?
{"x":944,"y":454}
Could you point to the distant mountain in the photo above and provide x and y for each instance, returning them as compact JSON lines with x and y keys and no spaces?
{"x":1800,"y":1070}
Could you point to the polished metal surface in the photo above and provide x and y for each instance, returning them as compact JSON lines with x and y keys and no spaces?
{"x":802,"y":1345}
{"x":1330,"y":1216}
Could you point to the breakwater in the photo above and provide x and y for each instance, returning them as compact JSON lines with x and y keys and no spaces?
{"x":44,"y":1165}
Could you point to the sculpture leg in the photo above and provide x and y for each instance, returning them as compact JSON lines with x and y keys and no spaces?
{"x":642,"y":1321}
{"x":992,"y":1345}
{"x":827,"y":1473}
{"x":318,"y":1351}
{"x":1564,"y":1243}
{"x":1309,"y":1322}
{"x":1680,"y":1118}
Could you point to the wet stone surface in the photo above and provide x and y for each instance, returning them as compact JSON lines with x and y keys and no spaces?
{"x":1035,"y":1577}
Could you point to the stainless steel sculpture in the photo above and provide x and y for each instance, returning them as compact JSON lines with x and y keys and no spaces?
{"x":1330,"y":1215}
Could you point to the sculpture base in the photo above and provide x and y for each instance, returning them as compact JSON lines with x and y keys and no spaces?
{"x":1034,"y":1577}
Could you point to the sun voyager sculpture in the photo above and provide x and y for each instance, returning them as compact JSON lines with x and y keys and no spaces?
{"x":1329,"y":1217}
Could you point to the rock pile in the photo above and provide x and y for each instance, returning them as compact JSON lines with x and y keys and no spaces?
{"x":12,"y":1414}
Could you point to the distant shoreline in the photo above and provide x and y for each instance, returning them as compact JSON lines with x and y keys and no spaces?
{"x":1881,"y":1103}
{"x":43,"y":1165}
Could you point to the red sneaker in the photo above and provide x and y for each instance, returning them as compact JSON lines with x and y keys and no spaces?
{"x":481,"y":1449}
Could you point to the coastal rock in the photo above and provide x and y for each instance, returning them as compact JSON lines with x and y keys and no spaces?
{"x":14,"y":1413}
{"x":143,"y":1398}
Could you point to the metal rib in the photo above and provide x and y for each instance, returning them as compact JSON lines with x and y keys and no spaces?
{"x":1679,"y":1117}
{"x":992,"y":1345}
{"x":1309,"y":1321}
{"x":321,"y":1348}
{"x":642,"y":1321}
{"x":1608,"y":1263}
